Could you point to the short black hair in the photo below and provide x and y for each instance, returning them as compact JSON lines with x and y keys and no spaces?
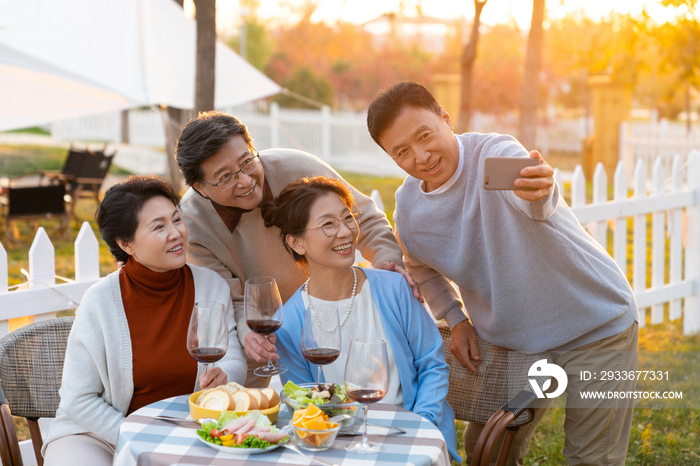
{"x":389,"y":102}
{"x":118,"y":213}
{"x":202,"y":138}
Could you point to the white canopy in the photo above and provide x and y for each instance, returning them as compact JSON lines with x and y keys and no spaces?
{"x":69,"y":58}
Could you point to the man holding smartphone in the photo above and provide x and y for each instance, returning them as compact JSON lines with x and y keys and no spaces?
{"x":529,"y":275}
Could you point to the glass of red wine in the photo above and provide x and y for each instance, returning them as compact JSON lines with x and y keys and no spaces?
{"x":366,"y":381}
{"x":207,"y":336}
{"x":264,"y":314}
{"x":320,"y":337}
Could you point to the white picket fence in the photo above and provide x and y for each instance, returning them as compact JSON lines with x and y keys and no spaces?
{"x":41,"y":296}
{"x":669,"y":204}
{"x":338,"y":137}
{"x":647,"y":141}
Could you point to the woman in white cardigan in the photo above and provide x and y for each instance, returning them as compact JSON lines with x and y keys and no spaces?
{"x":127,"y":347}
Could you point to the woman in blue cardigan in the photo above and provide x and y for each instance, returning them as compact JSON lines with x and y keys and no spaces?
{"x":320,"y":230}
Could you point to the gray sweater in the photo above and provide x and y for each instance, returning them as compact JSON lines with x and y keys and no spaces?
{"x":98,"y":378}
{"x":531,"y":278}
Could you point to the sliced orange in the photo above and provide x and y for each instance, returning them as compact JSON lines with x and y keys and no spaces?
{"x":315,"y":423}
{"x":312,"y":411}
{"x":299,"y":413}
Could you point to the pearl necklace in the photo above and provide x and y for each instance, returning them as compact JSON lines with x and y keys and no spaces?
{"x":347,"y":313}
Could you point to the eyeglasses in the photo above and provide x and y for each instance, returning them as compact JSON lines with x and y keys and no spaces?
{"x":229,"y":180}
{"x":331,"y":226}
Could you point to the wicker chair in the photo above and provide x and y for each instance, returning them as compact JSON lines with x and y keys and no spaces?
{"x":31,"y":367}
{"x":488,"y":398}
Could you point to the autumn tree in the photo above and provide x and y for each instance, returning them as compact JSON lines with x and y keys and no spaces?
{"x":498,"y":74}
{"x":259,"y":43}
{"x":345,"y":56}
{"x":527,"y":127}
{"x":682,"y":48}
{"x":467,"y":69}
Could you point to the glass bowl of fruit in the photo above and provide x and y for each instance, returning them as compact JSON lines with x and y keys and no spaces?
{"x":312,"y":430}
{"x":329,"y":398}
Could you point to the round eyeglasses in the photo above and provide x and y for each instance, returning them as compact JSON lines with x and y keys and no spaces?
{"x":229,"y":180}
{"x":331,"y":226}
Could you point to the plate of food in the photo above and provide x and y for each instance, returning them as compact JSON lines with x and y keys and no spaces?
{"x":329,"y":398}
{"x":250,"y":434}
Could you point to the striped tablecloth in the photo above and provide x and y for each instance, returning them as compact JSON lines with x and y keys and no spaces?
{"x":145,"y":441}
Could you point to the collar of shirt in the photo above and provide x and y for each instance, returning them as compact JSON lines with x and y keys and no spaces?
{"x":453,"y":179}
{"x":232,"y":215}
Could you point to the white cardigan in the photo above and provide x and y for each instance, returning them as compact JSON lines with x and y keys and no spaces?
{"x":98,"y":381}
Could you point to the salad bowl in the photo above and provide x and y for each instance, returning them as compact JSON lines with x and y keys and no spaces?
{"x":298,"y":396}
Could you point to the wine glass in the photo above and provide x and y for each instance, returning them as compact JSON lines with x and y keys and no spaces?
{"x":207,"y":336}
{"x":320,"y":338}
{"x":264,"y":313}
{"x":366,"y":381}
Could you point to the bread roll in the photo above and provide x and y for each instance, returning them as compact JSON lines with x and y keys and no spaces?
{"x":235,"y":386}
{"x":272,"y":396}
{"x":201,"y":395}
{"x":215,"y":399}
{"x":243,"y":401}
{"x":263,"y":402}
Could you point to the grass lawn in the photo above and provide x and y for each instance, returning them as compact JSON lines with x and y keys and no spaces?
{"x":658,"y":437}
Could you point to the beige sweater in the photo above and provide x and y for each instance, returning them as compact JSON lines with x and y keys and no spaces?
{"x":253,"y":250}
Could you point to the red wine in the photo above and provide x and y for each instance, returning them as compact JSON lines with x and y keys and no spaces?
{"x":366,"y":396}
{"x":263,"y":326}
{"x":321,"y":356}
{"x":207,"y":355}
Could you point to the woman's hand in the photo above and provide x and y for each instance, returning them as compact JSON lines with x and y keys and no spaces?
{"x":213,"y":377}
{"x":259,"y":348}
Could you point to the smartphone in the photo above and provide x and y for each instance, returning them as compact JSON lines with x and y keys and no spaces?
{"x":500,"y":173}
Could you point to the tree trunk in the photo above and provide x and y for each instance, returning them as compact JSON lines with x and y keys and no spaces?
{"x":206,"y":55}
{"x":468,"y":58}
{"x":527,"y":128}
{"x":174,"y":120}
{"x":687,"y":110}
{"x":125,"y":127}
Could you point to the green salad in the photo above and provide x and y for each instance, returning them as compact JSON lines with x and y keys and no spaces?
{"x":327,"y":396}
{"x":319,"y":394}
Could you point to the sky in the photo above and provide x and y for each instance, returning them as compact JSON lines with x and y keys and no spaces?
{"x":495,"y":11}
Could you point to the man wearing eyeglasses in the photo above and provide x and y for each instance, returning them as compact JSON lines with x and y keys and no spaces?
{"x":229,"y":182}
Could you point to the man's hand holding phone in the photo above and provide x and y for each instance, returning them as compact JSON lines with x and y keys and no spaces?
{"x":529,"y":179}
{"x":539,"y":178}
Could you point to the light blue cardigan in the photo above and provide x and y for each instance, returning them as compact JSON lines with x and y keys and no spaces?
{"x":413,"y":337}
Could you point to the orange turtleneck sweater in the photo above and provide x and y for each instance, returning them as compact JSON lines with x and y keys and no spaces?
{"x":158,"y":307}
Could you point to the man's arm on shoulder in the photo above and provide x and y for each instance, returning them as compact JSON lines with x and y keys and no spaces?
{"x":445,"y":303}
{"x":376,"y":241}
